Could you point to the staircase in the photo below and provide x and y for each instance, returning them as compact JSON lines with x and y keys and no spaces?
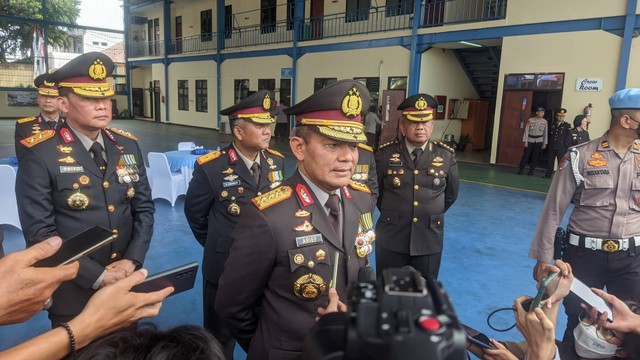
{"x":482,"y":66}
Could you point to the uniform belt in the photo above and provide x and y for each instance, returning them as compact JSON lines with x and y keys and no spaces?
{"x":535,"y":136}
{"x":608,"y":245}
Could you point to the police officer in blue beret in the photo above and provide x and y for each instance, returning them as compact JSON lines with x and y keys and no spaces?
{"x":602,"y":179}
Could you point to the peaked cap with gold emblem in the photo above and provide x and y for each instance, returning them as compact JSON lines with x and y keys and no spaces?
{"x":257,"y":108}
{"x":45,"y":86}
{"x":334,"y":111}
{"x":562,"y":112}
{"x":86,"y":75}
{"x":418,"y":107}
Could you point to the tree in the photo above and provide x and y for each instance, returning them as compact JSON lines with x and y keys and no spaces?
{"x":17,"y":37}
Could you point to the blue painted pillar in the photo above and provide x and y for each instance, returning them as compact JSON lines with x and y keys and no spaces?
{"x":127,"y":33}
{"x":415,"y":58}
{"x":298,"y":28}
{"x":220,"y":38}
{"x":167,"y":46}
{"x":625,"y":51}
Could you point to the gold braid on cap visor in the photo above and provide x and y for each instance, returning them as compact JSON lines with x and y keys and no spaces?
{"x":48,"y":92}
{"x":260,"y":118}
{"x":338,"y":129}
{"x":409,"y":115}
{"x":89,"y":89}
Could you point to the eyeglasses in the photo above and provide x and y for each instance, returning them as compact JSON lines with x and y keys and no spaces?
{"x":602,"y":333}
{"x":632,"y":119}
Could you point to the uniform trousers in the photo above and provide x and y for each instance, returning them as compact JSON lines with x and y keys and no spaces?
{"x":427,"y":265}
{"x":554,"y":154}
{"x":530,"y":156}
{"x":618,"y":271}
{"x":213,"y":322}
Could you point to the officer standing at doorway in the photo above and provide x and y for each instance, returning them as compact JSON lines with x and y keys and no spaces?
{"x":557,"y":141}
{"x":223,"y":183}
{"x":534,"y":140}
{"x":418,"y":182}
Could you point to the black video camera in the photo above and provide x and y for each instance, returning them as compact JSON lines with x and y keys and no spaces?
{"x":400,"y":316}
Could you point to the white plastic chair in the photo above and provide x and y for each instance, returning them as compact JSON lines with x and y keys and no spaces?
{"x":166,"y":185}
{"x":186,"y":145}
{"x":9,"y":208}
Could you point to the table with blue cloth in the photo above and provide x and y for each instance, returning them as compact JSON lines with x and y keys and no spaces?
{"x":10,"y":161}
{"x":184,"y":161}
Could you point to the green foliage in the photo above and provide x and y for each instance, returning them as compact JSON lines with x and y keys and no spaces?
{"x":16,"y":37}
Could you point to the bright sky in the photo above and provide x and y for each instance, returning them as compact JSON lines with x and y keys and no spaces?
{"x":103,"y":13}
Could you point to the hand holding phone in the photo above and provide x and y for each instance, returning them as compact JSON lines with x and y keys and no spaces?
{"x":476,"y":337}
{"x":180,"y":278}
{"x":78,"y":246}
{"x":592,"y":300}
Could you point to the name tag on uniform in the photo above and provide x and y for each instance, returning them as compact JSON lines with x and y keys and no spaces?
{"x":598,"y":172}
{"x":71,"y":169}
{"x":314,"y":239}
{"x":231,"y":183}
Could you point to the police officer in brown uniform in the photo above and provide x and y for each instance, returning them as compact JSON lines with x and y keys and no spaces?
{"x":49,"y":116}
{"x":418,"y":181}
{"x":602,"y":179}
{"x":579,"y":133}
{"x":534,"y":140}
{"x":223,"y":183}
{"x":83,"y":174}
{"x":284,"y":249}
{"x":557,"y":141}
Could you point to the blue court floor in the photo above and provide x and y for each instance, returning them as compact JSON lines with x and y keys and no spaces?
{"x":485,"y":265}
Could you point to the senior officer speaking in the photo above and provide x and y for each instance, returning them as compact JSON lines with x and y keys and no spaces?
{"x":602,"y":179}
{"x":83,"y":174}
{"x":284,"y":249}
{"x":49,"y":116}
{"x":223,"y":183}
{"x":418,"y":181}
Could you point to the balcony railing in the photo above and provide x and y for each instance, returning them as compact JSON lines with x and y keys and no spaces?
{"x":363,"y":21}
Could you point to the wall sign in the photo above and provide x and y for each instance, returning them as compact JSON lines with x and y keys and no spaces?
{"x":589,"y":84}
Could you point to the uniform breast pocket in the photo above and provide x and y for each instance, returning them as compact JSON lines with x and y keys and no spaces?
{"x":635,"y":194}
{"x":310,"y":271}
{"x":71,"y":181}
{"x":597,"y":190}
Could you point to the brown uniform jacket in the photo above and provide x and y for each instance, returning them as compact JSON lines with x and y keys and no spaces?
{"x":603,"y":186}
{"x":271,"y":250}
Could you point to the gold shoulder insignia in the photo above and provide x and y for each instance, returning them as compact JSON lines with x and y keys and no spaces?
{"x":389,"y":143}
{"x":273,"y":152}
{"x":27,"y":119}
{"x":365,"y":147}
{"x":38,"y":138}
{"x":360,"y":187}
{"x":445,"y":146}
{"x":208,"y":157}
{"x":274,"y":196}
{"x":123,"y":133}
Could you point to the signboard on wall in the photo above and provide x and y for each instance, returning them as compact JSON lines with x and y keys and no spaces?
{"x":22,"y":98}
{"x":589,"y":84}
{"x":286,"y":73}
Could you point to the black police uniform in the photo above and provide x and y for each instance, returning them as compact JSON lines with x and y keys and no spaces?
{"x":62,"y":192}
{"x":281,"y":261}
{"x":412,"y":203}
{"x":558,"y":145}
{"x":365,"y":172}
{"x":218,"y":193}
{"x":577,"y":137}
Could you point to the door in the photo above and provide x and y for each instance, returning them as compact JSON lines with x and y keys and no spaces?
{"x":178,"y":34}
{"x":137,"y":100}
{"x":516,"y":109}
{"x":390,"y":114}
{"x":433,"y":13}
{"x":285,"y":91}
{"x":156,"y":101}
{"x":317,"y":18}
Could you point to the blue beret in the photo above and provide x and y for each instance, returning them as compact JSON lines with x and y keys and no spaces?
{"x":540,"y":108}
{"x":625,"y":99}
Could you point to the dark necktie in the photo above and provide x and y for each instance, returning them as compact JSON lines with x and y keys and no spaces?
{"x":96,"y":150}
{"x":52,"y":124}
{"x":417,"y":152}
{"x":333,"y":203}
{"x":255,"y":170}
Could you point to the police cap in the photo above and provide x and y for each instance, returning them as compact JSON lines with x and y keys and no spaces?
{"x":87,"y":75}
{"x":45,"y":87}
{"x":540,"y":108}
{"x":625,"y":99}
{"x":257,"y":108}
{"x":418,"y":107}
{"x":334,"y":111}
{"x":562,"y":112}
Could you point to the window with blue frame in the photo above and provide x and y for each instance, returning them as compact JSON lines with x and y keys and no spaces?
{"x":183,"y":95}
{"x":357,"y":10}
